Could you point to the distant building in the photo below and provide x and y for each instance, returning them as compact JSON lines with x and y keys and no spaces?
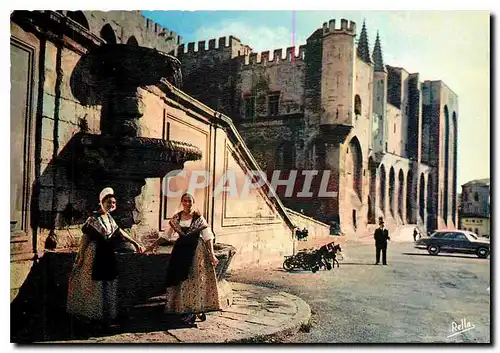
{"x":474,"y":211}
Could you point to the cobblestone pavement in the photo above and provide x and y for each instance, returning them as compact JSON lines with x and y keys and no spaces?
{"x":257,"y":314}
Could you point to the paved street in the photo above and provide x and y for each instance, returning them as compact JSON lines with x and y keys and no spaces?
{"x":414,"y":299}
{"x":256,"y":313}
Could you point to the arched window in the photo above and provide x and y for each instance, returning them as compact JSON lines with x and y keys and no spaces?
{"x":422,"y":198}
{"x":132,"y":41}
{"x":357,"y":105}
{"x":431,"y":206}
{"x":391,"y":190}
{"x":401,"y":182}
{"x":356,"y":165}
{"x":108,"y":34}
{"x":372,"y":166}
{"x":410,"y":198}
{"x":454,"y":168}
{"x":476,"y":197}
{"x":382,"y":188}
{"x":446,"y":195}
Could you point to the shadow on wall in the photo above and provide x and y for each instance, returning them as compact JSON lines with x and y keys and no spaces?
{"x":66,"y":192}
{"x":215,"y":84}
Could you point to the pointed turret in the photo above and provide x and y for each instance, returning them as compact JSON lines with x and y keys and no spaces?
{"x":363,"y":51}
{"x":377,"y":56}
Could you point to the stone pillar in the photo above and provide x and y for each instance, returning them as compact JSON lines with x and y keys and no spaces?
{"x":331,"y":205}
{"x":121,"y":114}
{"x":377,"y":200}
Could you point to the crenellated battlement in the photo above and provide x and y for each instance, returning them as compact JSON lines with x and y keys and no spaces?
{"x":232,"y":47}
{"x":277,"y":57}
{"x":222,"y":44}
{"x":160,"y":31}
{"x":346,"y":27}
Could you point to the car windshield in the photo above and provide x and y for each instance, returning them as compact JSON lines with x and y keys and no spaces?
{"x":471,"y":236}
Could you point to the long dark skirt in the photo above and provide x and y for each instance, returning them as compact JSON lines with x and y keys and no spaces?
{"x":181,"y":259}
{"x":89,"y":298}
{"x":199,"y":292}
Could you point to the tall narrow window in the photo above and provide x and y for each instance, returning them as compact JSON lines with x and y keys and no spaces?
{"x":274,"y":103}
{"x":357,"y":105}
{"x":249,"y":107}
{"x":108,"y":34}
{"x":261,"y":105}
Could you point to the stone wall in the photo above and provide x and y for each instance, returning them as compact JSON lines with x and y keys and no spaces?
{"x":210,"y":74}
{"x":263,"y":78}
{"x":338,"y":76}
{"x":440,"y":113}
{"x":128,"y":24}
{"x":316,"y":229}
{"x":395,"y":127}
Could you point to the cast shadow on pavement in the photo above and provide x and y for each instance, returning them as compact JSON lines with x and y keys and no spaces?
{"x":64,"y":328}
{"x":444,"y":255}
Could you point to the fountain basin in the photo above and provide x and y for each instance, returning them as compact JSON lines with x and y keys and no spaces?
{"x":132,"y":157}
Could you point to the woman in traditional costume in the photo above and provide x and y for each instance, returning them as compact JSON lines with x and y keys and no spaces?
{"x":191,"y":280}
{"x":92,"y":290}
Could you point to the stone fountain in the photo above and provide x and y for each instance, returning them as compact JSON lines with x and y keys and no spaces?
{"x":110,"y":76}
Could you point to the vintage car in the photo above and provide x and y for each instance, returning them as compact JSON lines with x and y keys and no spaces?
{"x":455,"y":241}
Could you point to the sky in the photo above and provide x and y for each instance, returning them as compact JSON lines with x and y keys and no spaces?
{"x":452,"y":46}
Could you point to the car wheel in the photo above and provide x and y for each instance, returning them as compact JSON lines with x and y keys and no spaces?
{"x":483,"y":253}
{"x":433,"y":249}
{"x":288,"y":265}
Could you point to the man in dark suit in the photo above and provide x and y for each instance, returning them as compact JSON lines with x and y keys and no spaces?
{"x":381,"y":236}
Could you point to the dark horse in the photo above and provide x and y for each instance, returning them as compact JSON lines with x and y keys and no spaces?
{"x":327,"y":255}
